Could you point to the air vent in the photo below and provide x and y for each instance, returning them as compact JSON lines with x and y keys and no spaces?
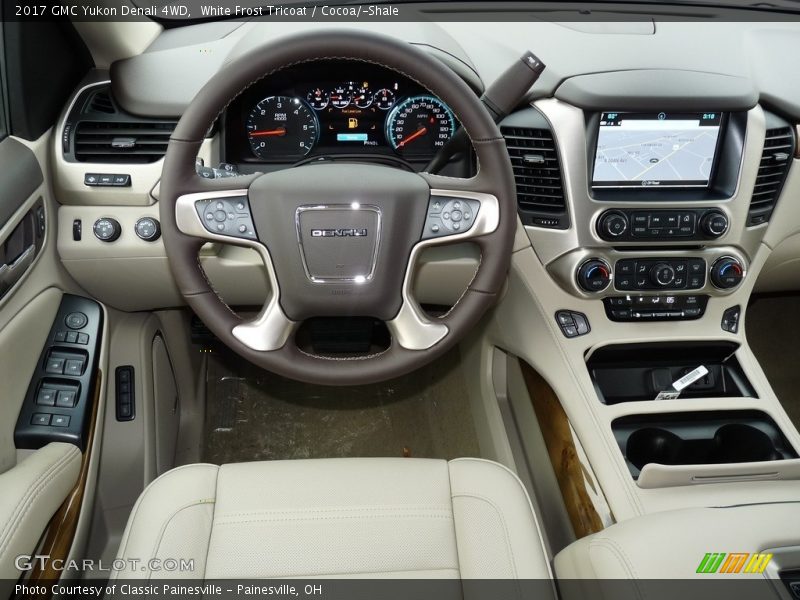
{"x":775,"y":162}
{"x":101,"y":102}
{"x":540,"y":190}
{"x":121,"y":141}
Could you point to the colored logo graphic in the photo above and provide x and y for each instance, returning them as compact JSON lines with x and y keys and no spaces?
{"x":735,"y":562}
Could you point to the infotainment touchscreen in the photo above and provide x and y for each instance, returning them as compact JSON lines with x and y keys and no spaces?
{"x":656,"y":149}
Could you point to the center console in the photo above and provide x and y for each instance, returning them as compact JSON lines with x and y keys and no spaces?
{"x":667,"y":212}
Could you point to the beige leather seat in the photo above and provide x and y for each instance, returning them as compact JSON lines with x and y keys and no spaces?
{"x":671,"y":544}
{"x":381,"y":517}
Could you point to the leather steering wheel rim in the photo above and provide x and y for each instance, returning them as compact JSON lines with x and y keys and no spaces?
{"x":180,"y":184}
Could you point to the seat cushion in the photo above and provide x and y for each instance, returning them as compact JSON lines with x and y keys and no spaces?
{"x":362,"y":517}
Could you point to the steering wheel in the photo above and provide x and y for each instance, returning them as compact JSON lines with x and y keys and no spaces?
{"x":338,"y":239}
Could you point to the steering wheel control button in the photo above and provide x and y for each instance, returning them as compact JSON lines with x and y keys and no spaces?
{"x":726,"y":273}
{"x":107,"y":229}
{"x":76,"y":320}
{"x":148,"y":229}
{"x":594,"y":275}
{"x":730,"y":319}
{"x":572,"y":323}
{"x":447,"y":216}
{"x":227,"y":216}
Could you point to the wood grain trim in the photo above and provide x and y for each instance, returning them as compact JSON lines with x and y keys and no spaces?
{"x":61,"y":529}
{"x":568,"y":470}
{"x":797,"y":141}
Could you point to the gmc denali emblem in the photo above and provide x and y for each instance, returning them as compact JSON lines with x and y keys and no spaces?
{"x":362,"y":232}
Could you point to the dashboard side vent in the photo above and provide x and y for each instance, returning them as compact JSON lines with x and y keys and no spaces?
{"x":101,"y":102}
{"x":775,"y":162}
{"x":121,"y":141}
{"x":537,"y":171}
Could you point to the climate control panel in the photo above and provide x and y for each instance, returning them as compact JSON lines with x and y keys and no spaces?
{"x":625,"y":225}
{"x":659,"y":274}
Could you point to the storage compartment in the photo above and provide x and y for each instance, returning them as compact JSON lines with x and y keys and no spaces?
{"x":700,"y":438}
{"x":633,"y":372}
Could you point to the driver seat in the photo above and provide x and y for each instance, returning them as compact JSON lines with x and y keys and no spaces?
{"x":353,"y":517}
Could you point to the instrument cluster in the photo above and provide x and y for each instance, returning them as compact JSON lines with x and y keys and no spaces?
{"x":306,"y":112}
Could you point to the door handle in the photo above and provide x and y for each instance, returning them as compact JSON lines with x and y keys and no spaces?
{"x":11,"y":272}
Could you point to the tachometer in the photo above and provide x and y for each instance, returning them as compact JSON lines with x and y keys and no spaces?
{"x":282,"y":127}
{"x":419,"y":126}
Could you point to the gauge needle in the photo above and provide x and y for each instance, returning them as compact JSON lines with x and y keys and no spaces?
{"x":413,"y":136}
{"x":278,"y":131}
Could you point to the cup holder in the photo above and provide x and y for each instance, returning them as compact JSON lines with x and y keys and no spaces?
{"x":731,"y":443}
{"x":737,"y":442}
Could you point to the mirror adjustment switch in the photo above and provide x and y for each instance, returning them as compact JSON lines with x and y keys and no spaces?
{"x":76,"y":320}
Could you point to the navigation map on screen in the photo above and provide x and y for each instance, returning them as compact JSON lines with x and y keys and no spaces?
{"x":662,"y":150}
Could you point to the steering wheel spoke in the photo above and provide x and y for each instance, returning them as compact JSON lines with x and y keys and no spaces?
{"x":224,"y":216}
{"x":219,"y":216}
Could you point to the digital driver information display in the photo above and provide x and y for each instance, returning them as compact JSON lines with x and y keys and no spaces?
{"x":660,"y":149}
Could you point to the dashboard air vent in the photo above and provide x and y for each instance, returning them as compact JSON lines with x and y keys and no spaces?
{"x":101,"y":102}
{"x":121,"y":141}
{"x":540,"y":190}
{"x":775,"y":161}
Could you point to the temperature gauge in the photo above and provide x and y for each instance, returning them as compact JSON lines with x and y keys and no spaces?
{"x":318,"y":99}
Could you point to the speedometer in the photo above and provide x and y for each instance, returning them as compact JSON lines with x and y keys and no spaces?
{"x":282,"y":127}
{"x":419,"y":126}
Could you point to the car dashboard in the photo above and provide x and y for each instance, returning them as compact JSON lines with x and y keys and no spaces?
{"x":335,"y":110}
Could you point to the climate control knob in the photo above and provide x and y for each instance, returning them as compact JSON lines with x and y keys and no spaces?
{"x":662,"y":274}
{"x":594,"y":275}
{"x":714,"y":223}
{"x":613,"y":224}
{"x":726,"y":273}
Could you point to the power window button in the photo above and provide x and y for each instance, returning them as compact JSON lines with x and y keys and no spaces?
{"x":55,"y":366}
{"x":73,"y":367}
{"x":46,"y":397}
{"x":40,"y":419}
{"x":66,"y":399}
{"x":60,"y":421}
